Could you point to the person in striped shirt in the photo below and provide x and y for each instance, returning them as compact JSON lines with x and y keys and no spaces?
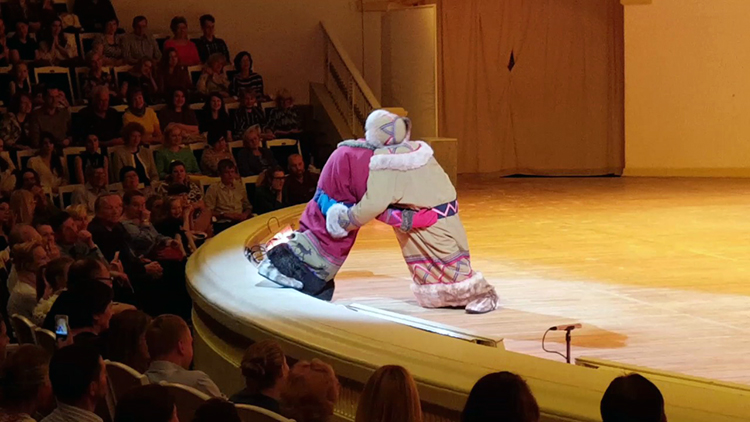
{"x":246,"y":78}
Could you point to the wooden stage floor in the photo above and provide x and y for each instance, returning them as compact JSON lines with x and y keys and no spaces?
{"x":657,"y":270}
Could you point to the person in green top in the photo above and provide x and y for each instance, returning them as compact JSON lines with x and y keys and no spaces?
{"x":174,"y":150}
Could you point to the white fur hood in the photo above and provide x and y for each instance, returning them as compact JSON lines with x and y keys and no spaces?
{"x":406,"y":156}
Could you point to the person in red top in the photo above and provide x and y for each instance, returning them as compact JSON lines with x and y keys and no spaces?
{"x":186,"y":49}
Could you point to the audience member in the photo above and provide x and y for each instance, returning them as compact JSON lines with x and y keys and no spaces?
{"x":265,"y":370}
{"x":216,"y":410}
{"x":178,"y":184}
{"x":4,"y":343}
{"x":178,"y":113}
{"x":51,"y":119}
{"x":99,"y":119}
{"x":91,"y":157}
{"x":95,"y":14}
{"x":170,"y":345}
{"x":48,"y":239}
{"x":140,"y":44}
{"x":173,"y":218}
{"x":7,"y":173}
{"x":141,"y":234}
{"x":55,"y":48}
{"x":248,"y":114}
{"x":132,"y":154}
{"x":301,"y":184}
{"x":6,"y":224}
{"x":139,"y":112}
{"x":22,"y":46}
{"x":15,"y":129}
{"x":186,"y":49}
{"x":228,"y":200}
{"x":129,"y":180}
{"x":148,"y":403}
{"x":23,"y":11}
{"x":174,"y":150}
{"x":389,"y":395}
{"x":22,"y":206}
{"x":172,"y":76}
{"x":269,"y":195}
{"x":28,"y":258}
{"x":96,"y":185}
{"x":208,"y":44}
{"x":213,"y":80}
{"x":311,"y":392}
{"x":126,"y":339}
{"x":79,"y":381}
{"x":632,"y":398}
{"x":48,"y":163}
{"x":98,"y":77}
{"x":4,"y":52}
{"x":215,"y":119}
{"x":73,"y":242}
{"x":25,"y":383}
{"x":79,"y":213}
{"x":47,"y":13}
{"x":246,"y":78}
{"x":111,"y":42}
{"x":20,"y":79}
{"x":55,"y":280}
{"x":283,"y":120}
{"x":253,"y":158}
{"x":141,"y":77}
{"x":20,"y":233}
{"x":500,"y":396}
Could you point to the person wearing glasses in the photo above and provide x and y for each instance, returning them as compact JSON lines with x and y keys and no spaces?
{"x":270,"y":193}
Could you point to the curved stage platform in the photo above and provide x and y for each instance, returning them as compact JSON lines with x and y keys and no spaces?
{"x":655,"y":270}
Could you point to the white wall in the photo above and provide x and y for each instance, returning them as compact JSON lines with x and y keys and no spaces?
{"x":687,"y":88}
{"x":283,"y":36}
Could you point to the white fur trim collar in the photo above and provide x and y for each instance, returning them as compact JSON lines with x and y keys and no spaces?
{"x":403,"y":157}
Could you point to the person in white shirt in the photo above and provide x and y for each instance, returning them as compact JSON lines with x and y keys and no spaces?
{"x":28,"y":258}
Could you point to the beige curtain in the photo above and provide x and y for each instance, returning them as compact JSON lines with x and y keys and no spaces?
{"x":559,"y":111}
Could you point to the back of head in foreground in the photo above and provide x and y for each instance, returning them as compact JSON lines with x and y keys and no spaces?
{"x":311,"y":392}
{"x":390,"y":395}
{"x":168,"y":339}
{"x":78,"y":376}
{"x":501,"y":396}
{"x":148,"y":403}
{"x":632,"y":398}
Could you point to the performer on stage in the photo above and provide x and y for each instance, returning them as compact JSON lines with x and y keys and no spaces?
{"x":407,"y":175}
{"x":311,"y":257}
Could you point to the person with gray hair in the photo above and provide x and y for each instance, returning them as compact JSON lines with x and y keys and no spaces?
{"x":99,"y":119}
{"x":253,"y":158}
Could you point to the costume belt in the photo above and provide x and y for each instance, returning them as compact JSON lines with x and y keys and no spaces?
{"x":445,"y":210}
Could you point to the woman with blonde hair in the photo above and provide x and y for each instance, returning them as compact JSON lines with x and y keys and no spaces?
{"x":311,"y":392}
{"x":28,"y":258}
{"x":390,"y":395}
{"x":265,"y":370}
{"x":22,"y":206}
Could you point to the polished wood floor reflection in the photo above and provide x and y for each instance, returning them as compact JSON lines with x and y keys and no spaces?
{"x":657,"y":270}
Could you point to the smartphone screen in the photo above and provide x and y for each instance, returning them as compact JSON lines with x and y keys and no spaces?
{"x":62,"y":329}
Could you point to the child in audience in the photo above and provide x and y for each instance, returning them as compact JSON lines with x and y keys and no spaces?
{"x":213,"y":79}
{"x":20,"y":82}
{"x":265,"y":370}
{"x":389,"y":395}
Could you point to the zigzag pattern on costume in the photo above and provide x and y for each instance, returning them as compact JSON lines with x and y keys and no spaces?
{"x":422,"y":268}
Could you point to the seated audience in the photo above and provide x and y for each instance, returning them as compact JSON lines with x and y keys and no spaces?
{"x":55,"y":47}
{"x":139,"y":112}
{"x":170,"y":345}
{"x":217,"y":151}
{"x":178,"y":184}
{"x":21,"y":233}
{"x":141,"y":234}
{"x":311,"y":392}
{"x":72,"y":241}
{"x":96,"y":185}
{"x":99,"y":119}
{"x":632,"y":398}
{"x":23,"y":11}
{"x":79,"y":381}
{"x":172,"y":76}
{"x":208,"y":44}
{"x":246,"y":78}
{"x":213,"y":80}
{"x":126,"y":339}
{"x":148,"y":403}
{"x":4,"y":343}
{"x":173,"y":218}
{"x":216,"y":410}
{"x":55,"y":278}
{"x":28,"y":257}
{"x":141,"y":77}
{"x":228,"y":200}
{"x":172,"y":150}
{"x":26,"y":388}
{"x":7,"y":174}
{"x":269,"y":195}
{"x":91,"y":157}
{"x":140,"y":44}
{"x":4,"y":52}
{"x":48,"y":163}
{"x":22,"y":47}
{"x":389,"y":395}
{"x":98,"y":77}
{"x":47,"y":14}
{"x":186,"y":49}
{"x":249,"y":114}
{"x":265,"y":370}
{"x":300,"y":185}
{"x":500,"y":396}
{"x":48,"y":239}
{"x":129,"y":180}
{"x":215,"y":119}
{"x":95,"y":14}
{"x":178,"y":113}
{"x":253,"y":158}
{"x":52,"y":119}
{"x":20,"y":79}
{"x":6,"y":224}
{"x":110,"y":42}
{"x":22,"y":206}
{"x":283,"y":120}
{"x":15,"y":129}
{"x":132,"y":154}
